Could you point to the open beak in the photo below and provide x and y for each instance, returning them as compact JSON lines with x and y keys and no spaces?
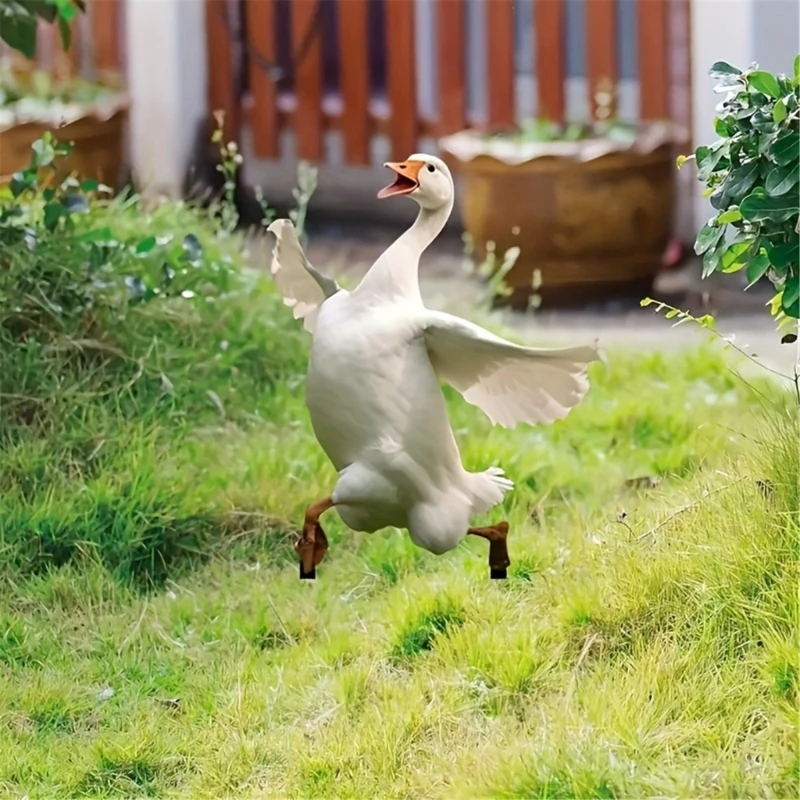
{"x":406,"y":180}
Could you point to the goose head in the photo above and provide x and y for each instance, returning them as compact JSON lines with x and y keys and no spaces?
{"x":423,"y":178}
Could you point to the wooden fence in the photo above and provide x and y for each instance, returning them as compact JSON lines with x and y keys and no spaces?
{"x":359,"y":75}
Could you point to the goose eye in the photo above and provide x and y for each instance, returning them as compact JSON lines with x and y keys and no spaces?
{"x":431,"y":168}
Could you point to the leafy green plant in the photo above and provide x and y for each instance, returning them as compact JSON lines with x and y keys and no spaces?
{"x":41,"y":205}
{"x":24,"y":88}
{"x":544,"y":130}
{"x":605,"y":125}
{"x":751,"y":175}
{"x":37,"y":202}
{"x":492,"y":270}
{"x":123,"y":328}
{"x":230,"y":159}
{"x":19,"y":20}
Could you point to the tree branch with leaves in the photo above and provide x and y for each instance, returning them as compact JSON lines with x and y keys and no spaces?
{"x":752,"y":178}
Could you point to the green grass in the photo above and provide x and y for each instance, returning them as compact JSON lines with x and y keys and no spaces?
{"x":155,"y":640}
{"x":605,"y":666}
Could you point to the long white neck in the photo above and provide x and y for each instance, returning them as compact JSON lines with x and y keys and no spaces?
{"x":396,"y":272}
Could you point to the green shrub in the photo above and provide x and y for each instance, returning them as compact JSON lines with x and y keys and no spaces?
{"x":122,"y":331}
{"x":751,"y":174}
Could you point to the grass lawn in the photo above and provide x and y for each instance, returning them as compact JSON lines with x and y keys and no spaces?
{"x":155,"y":640}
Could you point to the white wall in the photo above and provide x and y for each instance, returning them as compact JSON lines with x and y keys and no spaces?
{"x":167,"y":78}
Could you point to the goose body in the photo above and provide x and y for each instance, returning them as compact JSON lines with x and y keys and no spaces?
{"x":386,"y":428}
{"x":373,"y":389}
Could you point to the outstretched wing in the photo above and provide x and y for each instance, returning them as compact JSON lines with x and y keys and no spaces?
{"x":508,"y":382}
{"x":304,"y":290}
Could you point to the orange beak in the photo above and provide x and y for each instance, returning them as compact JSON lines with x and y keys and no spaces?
{"x":406,"y":180}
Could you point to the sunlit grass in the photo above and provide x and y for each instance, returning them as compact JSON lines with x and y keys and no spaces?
{"x":155,"y":640}
{"x":620,"y":659}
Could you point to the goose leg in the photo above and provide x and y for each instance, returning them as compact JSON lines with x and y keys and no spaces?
{"x":498,"y":548}
{"x":313,"y":543}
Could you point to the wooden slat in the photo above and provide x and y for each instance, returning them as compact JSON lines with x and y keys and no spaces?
{"x":500,"y":62}
{"x":105,"y":26}
{"x":401,"y":77}
{"x":450,"y":32}
{"x":354,"y":78}
{"x":653,"y":37}
{"x":550,"y":33}
{"x":221,"y":74}
{"x":601,"y":45}
{"x":261,"y":40}
{"x":44,"y":49}
{"x":376,"y":125}
{"x":307,"y":81}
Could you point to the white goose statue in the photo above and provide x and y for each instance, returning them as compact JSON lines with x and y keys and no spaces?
{"x":373,"y":389}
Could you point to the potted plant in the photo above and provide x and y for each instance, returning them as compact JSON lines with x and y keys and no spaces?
{"x":589,"y":206}
{"x":92,"y":115}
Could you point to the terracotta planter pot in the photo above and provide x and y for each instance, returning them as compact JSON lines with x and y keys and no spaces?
{"x":98,"y":151}
{"x":593,"y":218}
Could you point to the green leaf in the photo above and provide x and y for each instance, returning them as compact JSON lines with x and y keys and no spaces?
{"x":786,"y":148}
{"x":708,"y":237}
{"x":710,"y":261}
{"x":797,"y":66}
{"x":762,"y":122}
{"x":763,"y":81}
{"x":724,"y":126}
{"x":780,"y":179}
{"x":52,"y":214}
{"x":718,"y":199}
{"x":740,"y":181}
{"x":775,"y":304}
{"x":734,"y":258}
{"x":731,"y":215}
{"x":760,"y":208}
{"x":19,"y":183}
{"x":790,"y":299}
{"x":707,"y":159}
{"x":47,"y":10}
{"x":722,"y":69}
{"x":66,"y":10}
{"x":145,"y":245}
{"x":43,"y":151}
{"x":65,"y":31}
{"x":19,"y":33}
{"x":89,"y":185}
{"x":756,"y":268}
{"x":779,"y":113}
{"x":707,"y":321}
{"x":783,"y":256}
